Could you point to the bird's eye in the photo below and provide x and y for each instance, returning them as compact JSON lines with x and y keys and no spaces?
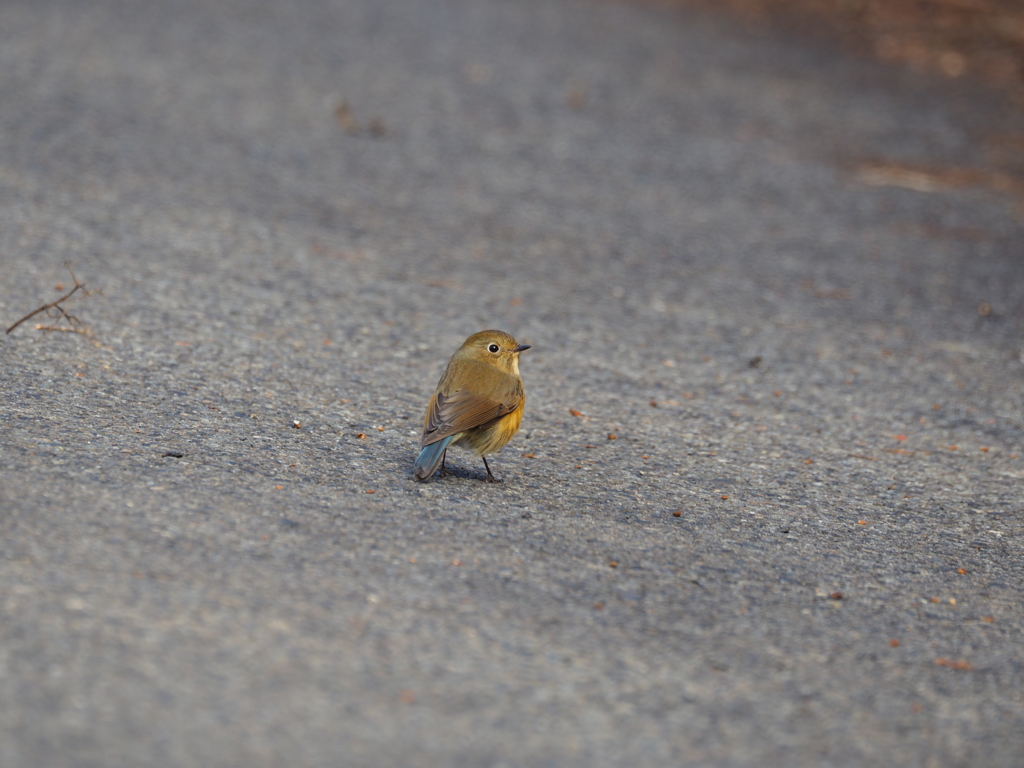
{"x":493,"y":348}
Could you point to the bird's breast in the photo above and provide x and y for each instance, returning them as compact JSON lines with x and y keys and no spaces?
{"x":492,"y":437}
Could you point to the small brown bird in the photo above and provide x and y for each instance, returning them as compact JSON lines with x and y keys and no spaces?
{"x":478,"y":403}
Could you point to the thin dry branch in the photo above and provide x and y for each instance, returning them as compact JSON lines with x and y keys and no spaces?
{"x":58,"y":312}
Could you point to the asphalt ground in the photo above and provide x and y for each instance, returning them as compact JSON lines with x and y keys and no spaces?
{"x":765,"y":507}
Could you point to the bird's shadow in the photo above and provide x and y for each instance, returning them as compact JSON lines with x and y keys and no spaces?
{"x":459,"y":473}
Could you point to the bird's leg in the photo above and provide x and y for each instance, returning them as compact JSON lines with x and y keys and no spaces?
{"x":444,"y":471}
{"x":490,"y":478}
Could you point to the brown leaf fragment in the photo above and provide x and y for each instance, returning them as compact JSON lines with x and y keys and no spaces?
{"x":962,"y":664}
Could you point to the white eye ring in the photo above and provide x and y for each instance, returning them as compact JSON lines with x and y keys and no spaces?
{"x":494,"y":348}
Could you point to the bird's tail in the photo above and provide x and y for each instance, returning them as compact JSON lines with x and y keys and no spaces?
{"x":430,"y":457}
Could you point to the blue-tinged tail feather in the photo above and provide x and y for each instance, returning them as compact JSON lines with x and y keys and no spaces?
{"x":430,"y":457}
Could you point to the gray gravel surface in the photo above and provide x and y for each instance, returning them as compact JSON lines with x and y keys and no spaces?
{"x":745,"y":256}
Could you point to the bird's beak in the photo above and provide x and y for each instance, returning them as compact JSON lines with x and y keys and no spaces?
{"x":521,"y":348}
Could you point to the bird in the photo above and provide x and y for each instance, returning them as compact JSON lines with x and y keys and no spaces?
{"x":478,"y":403}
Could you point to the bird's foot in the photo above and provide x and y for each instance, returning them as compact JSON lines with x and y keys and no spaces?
{"x":490,"y":478}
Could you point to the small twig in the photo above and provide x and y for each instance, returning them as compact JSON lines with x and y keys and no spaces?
{"x":74,"y":322}
{"x":52,"y":329}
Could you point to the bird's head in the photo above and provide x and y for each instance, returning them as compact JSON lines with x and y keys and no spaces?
{"x":494,"y":347}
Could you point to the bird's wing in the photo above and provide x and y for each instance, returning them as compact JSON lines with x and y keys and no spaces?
{"x":461,"y":410}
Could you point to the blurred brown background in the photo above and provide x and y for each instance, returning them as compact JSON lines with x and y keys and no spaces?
{"x":983,"y":39}
{"x":972,"y":43}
